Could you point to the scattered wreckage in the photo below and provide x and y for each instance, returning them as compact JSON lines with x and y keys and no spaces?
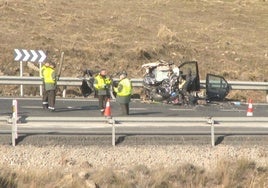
{"x":87,"y":87}
{"x":165,"y":82}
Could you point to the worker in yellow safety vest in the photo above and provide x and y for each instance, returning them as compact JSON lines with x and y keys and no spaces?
{"x":102,"y":85}
{"x":44,"y":93}
{"x":123,"y":93}
{"x":50,"y":80}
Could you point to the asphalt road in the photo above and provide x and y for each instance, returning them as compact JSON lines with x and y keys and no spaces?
{"x":66,"y":125}
{"x":32,"y":107}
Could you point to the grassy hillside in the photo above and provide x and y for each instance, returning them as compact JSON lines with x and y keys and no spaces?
{"x":226,"y":37}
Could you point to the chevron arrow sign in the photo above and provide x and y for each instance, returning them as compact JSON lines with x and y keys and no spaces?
{"x":29,"y":55}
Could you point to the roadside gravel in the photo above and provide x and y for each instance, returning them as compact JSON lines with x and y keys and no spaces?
{"x":119,"y":157}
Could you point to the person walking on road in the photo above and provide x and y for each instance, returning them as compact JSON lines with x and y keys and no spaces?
{"x":123,"y":93}
{"x":102,"y":85}
{"x":50,"y":80}
{"x":45,"y":96}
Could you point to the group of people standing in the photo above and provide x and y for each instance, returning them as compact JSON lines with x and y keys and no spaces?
{"x":123,"y":90}
{"x":102,"y":85}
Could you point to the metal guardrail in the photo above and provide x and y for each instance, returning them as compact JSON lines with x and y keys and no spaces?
{"x":137,"y":82}
{"x":63,"y":81}
{"x":111,"y":122}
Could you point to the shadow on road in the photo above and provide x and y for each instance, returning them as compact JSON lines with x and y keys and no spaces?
{"x":142,"y":113}
{"x":82,"y":108}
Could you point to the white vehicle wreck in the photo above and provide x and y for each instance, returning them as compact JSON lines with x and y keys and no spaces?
{"x":168,"y":83}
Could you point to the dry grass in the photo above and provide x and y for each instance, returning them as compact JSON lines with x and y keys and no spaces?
{"x":240,"y":173}
{"x":226,"y":37}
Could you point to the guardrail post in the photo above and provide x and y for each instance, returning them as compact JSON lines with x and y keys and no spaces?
{"x":266,"y":92}
{"x":64,"y":91}
{"x":41,"y":90}
{"x":267,"y":96}
{"x":14,"y":131}
{"x":211,"y":121}
{"x":112,"y":121}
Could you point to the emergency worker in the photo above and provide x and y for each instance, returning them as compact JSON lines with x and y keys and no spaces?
{"x":50,"y":80}
{"x":123,"y":93}
{"x":102,"y":85}
{"x":45,"y":96}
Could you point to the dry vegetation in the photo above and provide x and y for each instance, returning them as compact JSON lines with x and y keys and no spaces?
{"x":226,"y":37}
{"x":240,"y":173}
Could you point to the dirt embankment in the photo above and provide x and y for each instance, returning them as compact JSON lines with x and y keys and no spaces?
{"x":226,"y":38}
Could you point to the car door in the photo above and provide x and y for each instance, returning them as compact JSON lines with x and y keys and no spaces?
{"x":189,"y":70}
{"x":217,"y":88}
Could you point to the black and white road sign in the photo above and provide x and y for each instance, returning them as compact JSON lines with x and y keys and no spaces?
{"x":29,"y":55}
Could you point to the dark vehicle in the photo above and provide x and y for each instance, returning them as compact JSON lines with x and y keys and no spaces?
{"x":168,"y":83}
{"x":87,"y":83}
{"x":217,"y":88}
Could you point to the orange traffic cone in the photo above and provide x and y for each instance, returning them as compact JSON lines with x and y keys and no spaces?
{"x":250,"y":108}
{"x":107,"y":111}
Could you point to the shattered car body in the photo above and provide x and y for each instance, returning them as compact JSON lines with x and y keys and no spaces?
{"x":166,"y":82}
{"x":87,"y":83}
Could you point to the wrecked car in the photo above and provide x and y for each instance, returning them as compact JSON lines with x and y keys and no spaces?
{"x":87,"y":83}
{"x":165,"y":82}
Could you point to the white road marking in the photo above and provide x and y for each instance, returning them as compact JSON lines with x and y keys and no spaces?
{"x":232,"y":110}
{"x":38,"y":107}
{"x":32,"y":107}
{"x":181,"y":109}
{"x":138,"y":109}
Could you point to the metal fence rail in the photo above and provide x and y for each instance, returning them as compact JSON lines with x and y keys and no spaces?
{"x":63,"y":81}
{"x":137,"y":82}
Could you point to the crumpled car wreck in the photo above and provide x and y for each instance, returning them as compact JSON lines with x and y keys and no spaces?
{"x":165,"y":82}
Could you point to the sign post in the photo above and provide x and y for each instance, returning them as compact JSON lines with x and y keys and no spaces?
{"x":40,"y":75}
{"x":23,"y":55}
{"x":21,"y":75}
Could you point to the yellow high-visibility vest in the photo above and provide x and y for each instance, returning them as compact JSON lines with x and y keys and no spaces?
{"x":101,"y":82}
{"x":49,"y":77}
{"x":43,"y":68}
{"x":125,"y":87}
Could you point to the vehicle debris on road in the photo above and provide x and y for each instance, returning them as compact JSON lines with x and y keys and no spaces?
{"x":165,"y":82}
